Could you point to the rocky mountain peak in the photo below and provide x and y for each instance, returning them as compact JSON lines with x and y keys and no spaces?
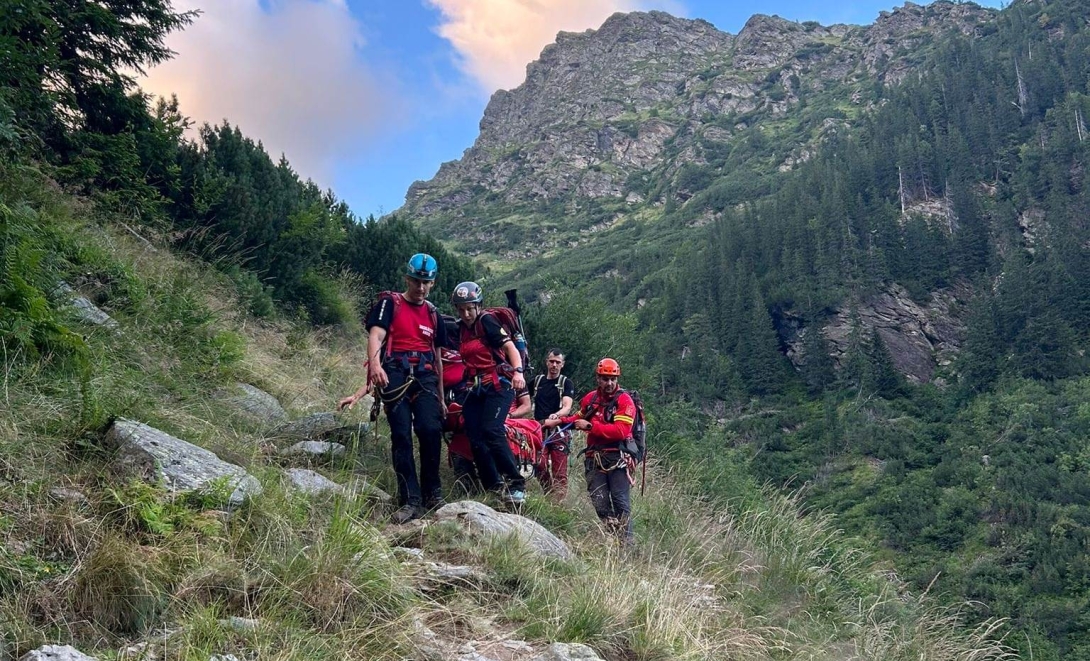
{"x":649,"y":97}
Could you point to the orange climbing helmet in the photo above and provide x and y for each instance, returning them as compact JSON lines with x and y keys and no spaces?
{"x":608,"y":367}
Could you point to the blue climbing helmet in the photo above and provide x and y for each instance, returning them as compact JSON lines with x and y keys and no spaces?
{"x":422,"y":266}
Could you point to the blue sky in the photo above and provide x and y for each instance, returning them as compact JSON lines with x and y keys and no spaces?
{"x":366,"y":96}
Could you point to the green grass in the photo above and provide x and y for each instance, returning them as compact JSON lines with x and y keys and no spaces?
{"x":738,"y":574}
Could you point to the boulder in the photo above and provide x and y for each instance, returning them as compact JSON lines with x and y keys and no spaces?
{"x":481,"y":520}
{"x":314,"y":451}
{"x":360,"y":485}
{"x":255,"y":403}
{"x":310,"y":428}
{"x":88,"y":312}
{"x":180,"y":466}
{"x":567,"y":652}
{"x":348,"y":435}
{"x":56,"y":653}
{"x":311,"y":483}
{"x":442,"y":576}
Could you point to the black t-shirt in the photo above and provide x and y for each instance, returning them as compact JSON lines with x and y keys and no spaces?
{"x":547,"y":397}
{"x":494,"y":334}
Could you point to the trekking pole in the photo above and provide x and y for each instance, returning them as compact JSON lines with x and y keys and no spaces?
{"x":643,"y":471}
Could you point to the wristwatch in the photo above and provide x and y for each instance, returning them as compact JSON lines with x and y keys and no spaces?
{"x":519,"y":370}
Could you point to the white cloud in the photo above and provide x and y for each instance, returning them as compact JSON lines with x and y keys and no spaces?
{"x":288,"y":75}
{"x":496,"y":39}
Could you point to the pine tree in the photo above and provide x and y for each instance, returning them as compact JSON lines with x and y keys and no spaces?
{"x":817,"y":367}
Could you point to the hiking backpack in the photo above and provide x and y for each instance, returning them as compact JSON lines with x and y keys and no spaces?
{"x":636,"y":444}
{"x":509,"y":321}
{"x":559,"y":384}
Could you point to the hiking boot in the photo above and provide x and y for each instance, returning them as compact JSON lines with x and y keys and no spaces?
{"x":406,"y":513}
{"x":434,"y":503}
{"x":515,"y":497}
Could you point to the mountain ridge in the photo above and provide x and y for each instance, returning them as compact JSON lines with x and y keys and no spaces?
{"x":603,"y":107}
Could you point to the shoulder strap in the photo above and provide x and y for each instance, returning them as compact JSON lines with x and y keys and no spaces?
{"x":560,"y":386}
{"x":537,"y":383}
{"x":395,"y":300}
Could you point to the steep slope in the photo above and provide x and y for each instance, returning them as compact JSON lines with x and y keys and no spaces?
{"x":621,"y":122}
{"x":139,"y":564}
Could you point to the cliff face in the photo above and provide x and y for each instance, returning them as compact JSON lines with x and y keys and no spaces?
{"x":617,"y":126}
{"x":647,"y":93}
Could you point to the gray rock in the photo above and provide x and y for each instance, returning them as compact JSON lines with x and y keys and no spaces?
{"x":257,"y":404}
{"x":480,"y":519}
{"x":87,"y":311}
{"x":180,"y":466}
{"x":348,"y":435}
{"x":361,"y":486}
{"x":312,"y":427}
{"x":517,"y":645}
{"x":919,"y":338}
{"x":68,"y":495}
{"x":314,"y":451}
{"x":440,"y":576}
{"x":223,"y":657}
{"x":240,"y":624}
{"x":311,"y":483}
{"x":409,"y":554}
{"x":567,"y":652}
{"x":56,"y":653}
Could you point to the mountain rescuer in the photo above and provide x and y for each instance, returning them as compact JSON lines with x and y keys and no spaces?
{"x":494,"y":369}
{"x":553,"y":394}
{"x":606,"y":414}
{"x":403,"y":366}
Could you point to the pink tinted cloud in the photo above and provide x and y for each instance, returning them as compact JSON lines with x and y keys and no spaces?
{"x":288,"y":75}
{"x":496,"y":39}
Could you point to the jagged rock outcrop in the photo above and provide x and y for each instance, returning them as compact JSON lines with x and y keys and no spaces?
{"x":919,"y":338}
{"x":156,"y":456}
{"x":481,"y":520}
{"x":647,"y":93}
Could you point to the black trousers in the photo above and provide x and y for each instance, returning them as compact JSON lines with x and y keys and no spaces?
{"x":417,"y":410}
{"x":485,"y":411}
{"x":610,"y":492}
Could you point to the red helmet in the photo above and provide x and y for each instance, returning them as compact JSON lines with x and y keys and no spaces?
{"x":608,"y":367}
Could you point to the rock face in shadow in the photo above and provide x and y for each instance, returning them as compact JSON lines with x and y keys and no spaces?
{"x":920,"y":338}
{"x":157,"y":456}
{"x":481,"y":520}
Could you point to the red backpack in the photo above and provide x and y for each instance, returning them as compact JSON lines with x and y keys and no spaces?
{"x":509,"y":321}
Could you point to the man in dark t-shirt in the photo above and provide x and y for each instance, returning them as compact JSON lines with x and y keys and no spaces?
{"x":552,"y":395}
{"x":404,"y":331}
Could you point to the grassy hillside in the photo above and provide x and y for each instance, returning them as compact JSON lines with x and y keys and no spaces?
{"x":121,"y":569}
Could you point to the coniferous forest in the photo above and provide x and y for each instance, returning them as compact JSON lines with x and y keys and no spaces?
{"x":975,"y":486}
